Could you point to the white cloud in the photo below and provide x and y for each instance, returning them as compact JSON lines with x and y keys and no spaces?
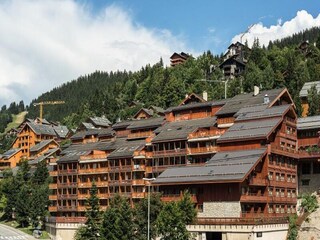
{"x":302,"y":21}
{"x":46,"y":43}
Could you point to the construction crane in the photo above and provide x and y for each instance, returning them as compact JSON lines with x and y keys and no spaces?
{"x":46,"y":103}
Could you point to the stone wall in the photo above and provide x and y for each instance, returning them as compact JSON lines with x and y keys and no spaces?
{"x":220,"y":209}
{"x":314,"y":183}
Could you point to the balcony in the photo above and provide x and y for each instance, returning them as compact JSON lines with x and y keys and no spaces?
{"x":67,"y":208}
{"x":94,"y":157}
{"x":148,"y":169}
{"x":257,"y":182}
{"x":67,"y":196}
{"x":67,"y":219}
{"x":93,"y":170}
{"x":83,"y":196}
{"x":53,"y":197}
{"x":284,"y":184}
{"x":177,"y":197}
{"x":137,"y":135}
{"x":138,"y":167}
{"x":53,"y":209}
{"x":138,"y":182}
{"x":209,"y":134}
{"x":52,"y":186}
{"x":53,"y":173}
{"x":174,"y":152}
{"x":279,"y":199}
{"x":284,"y":151}
{"x":253,"y":197}
{"x":202,"y":150}
{"x":103,"y":195}
{"x":68,"y":172}
{"x":82,"y":208}
{"x":138,"y":195}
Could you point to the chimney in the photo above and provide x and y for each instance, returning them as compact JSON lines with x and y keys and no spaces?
{"x":266,"y":99}
{"x":187,"y":95}
{"x":205,"y":95}
{"x":255,"y":91}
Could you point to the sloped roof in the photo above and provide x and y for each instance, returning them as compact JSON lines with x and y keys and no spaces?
{"x":122,"y":124}
{"x":106,"y":132}
{"x":242,"y":100}
{"x":146,"y":123}
{"x":196,"y":105}
{"x":181,"y":129}
{"x":44,"y":156}
{"x":10,"y":153}
{"x":100,"y":121}
{"x":308,"y":123}
{"x":146,"y":110}
{"x":85,"y":133}
{"x":61,"y":131}
{"x":249,"y":130}
{"x":88,"y":125}
{"x":307,"y":86}
{"x":42,"y":129}
{"x":41,"y":145}
{"x":231,"y":166}
{"x":127,"y":149}
{"x":261,"y":111}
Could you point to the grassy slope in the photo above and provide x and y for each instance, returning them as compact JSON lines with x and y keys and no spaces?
{"x":16,"y":120}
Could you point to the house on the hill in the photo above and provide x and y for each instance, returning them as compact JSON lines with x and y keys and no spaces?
{"x":178,"y":58}
{"x":304,"y":96}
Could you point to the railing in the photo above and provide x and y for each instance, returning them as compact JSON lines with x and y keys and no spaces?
{"x":67,"y":208}
{"x":83,"y":196}
{"x":138,"y":194}
{"x":258,"y":182}
{"x":148,"y":169}
{"x":53,"y":197}
{"x":173,"y":152}
{"x":138,"y":182}
{"x":139,"y":153}
{"x":253,"y":197}
{"x":283,"y":184}
{"x":225,"y":120}
{"x":288,"y":136}
{"x":140,"y":134}
{"x":93,"y":170}
{"x":67,"y":219}
{"x":211,"y":149}
{"x":65,"y":185}
{"x":241,"y":221}
{"x":138,"y":167}
{"x":103,"y":195}
{"x":282,"y":199}
{"x":92,"y":157}
{"x":53,"y":208}
{"x":308,"y":154}
{"x":67,"y":196}
{"x":82,"y":208}
{"x":284,"y":150}
{"x":53,"y":173}
{"x":52,"y":186}
{"x":67,"y":171}
{"x":204,"y":134}
{"x":177,"y":197}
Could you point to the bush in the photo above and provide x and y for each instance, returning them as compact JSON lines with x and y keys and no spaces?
{"x":309,"y":203}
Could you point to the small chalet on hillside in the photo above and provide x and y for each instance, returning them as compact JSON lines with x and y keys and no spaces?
{"x":304,"y":96}
{"x":178,"y":58}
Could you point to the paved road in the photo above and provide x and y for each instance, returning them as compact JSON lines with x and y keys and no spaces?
{"x":9,"y":233}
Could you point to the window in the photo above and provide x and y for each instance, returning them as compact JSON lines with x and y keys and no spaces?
{"x":259,"y":234}
{"x":305,"y":182}
{"x":200,"y":208}
{"x":316,"y":167}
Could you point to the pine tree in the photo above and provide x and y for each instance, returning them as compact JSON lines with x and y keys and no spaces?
{"x":92,"y":228}
{"x":187,"y":208}
{"x":313,"y":101}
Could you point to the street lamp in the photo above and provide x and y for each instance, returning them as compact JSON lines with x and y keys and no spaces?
{"x":149,"y":180}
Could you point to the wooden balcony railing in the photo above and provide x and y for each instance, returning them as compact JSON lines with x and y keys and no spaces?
{"x":148,"y":169}
{"x":199,"y":150}
{"x":283,"y":184}
{"x":138,"y":182}
{"x":138,"y":195}
{"x":138,"y":167}
{"x":283,"y":199}
{"x":92,"y":157}
{"x":67,"y":185}
{"x":67,"y":219}
{"x":53,"y":197}
{"x":93,"y":170}
{"x":140,"y":134}
{"x":52,"y":186}
{"x":253,"y":197}
{"x":67,"y":208}
{"x":258,"y":181}
{"x":82,"y":208}
{"x":173,"y":152}
{"x":67,"y":196}
{"x":83,"y":196}
{"x":53,"y":173}
{"x":67,"y":172}
{"x":206,"y":134}
{"x":103,"y":195}
{"x":53,"y":209}
{"x":177,"y":197}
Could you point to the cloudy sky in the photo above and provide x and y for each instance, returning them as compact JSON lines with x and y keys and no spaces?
{"x":46,"y":43}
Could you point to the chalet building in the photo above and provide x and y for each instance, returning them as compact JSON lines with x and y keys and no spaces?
{"x":238,"y":158}
{"x":309,"y":154}
{"x":10,"y":158}
{"x":234,"y":60}
{"x":145,"y":113}
{"x":304,"y":95}
{"x":42,"y":147}
{"x":178,"y":58}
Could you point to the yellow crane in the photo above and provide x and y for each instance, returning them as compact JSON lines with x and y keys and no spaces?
{"x":46,"y":103}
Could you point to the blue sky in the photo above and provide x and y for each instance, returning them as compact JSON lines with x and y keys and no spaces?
{"x":209,"y":24}
{"x":45,"y":43}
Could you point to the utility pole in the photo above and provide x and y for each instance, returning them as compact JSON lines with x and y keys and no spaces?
{"x":248,"y":29}
{"x":218,"y":81}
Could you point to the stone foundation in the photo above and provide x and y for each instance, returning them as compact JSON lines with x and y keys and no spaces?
{"x":220,"y":210}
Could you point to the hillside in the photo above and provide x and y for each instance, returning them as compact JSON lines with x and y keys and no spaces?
{"x":16,"y":120}
{"x":102,"y":93}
